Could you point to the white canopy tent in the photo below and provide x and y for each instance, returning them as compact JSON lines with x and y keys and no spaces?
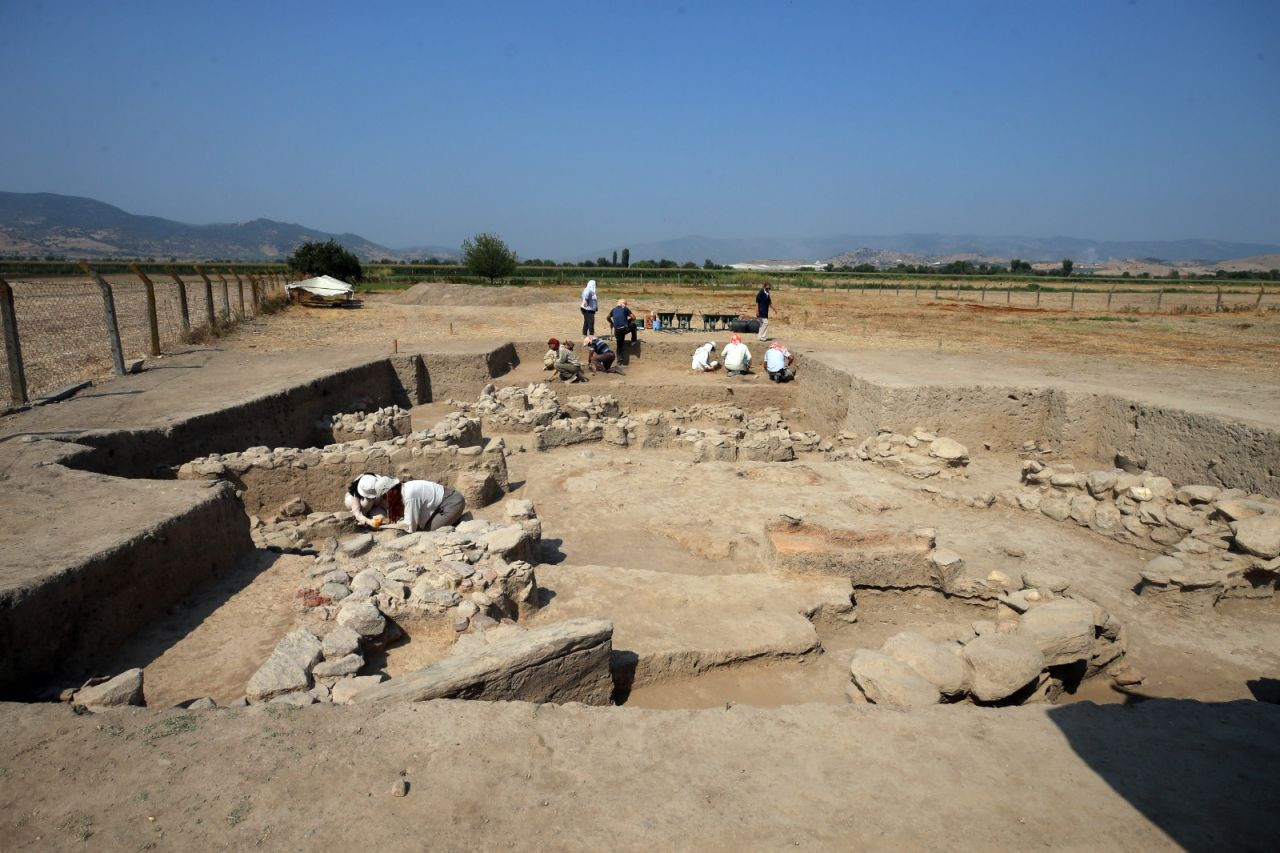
{"x":324,"y":289}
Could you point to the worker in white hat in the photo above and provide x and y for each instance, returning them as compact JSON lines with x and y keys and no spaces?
{"x":364,"y":498}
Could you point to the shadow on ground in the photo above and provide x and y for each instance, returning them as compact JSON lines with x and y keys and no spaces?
{"x":1204,"y":773}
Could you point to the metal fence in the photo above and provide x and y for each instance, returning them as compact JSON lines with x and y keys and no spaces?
{"x":61,"y":332}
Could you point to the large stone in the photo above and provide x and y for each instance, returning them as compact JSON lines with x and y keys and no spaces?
{"x":1002,"y":665}
{"x":949,"y":450}
{"x":885,"y":680}
{"x":1062,"y":630}
{"x":342,"y":692}
{"x":562,"y":662}
{"x":511,"y":543}
{"x":347,"y":665}
{"x":356,"y":545}
{"x":478,"y":488}
{"x":362,"y":617}
{"x":124,"y":689}
{"x":1235,"y":509}
{"x":301,"y":647}
{"x":1056,"y":505}
{"x":340,"y":642}
{"x":1034,"y":579}
{"x":367,"y":580}
{"x":930,"y":661}
{"x":1191,"y":495}
{"x":1259,"y":535}
{"x":278,"y":676}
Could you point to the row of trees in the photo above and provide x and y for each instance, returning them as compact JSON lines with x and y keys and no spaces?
{"x":1016,"y":266}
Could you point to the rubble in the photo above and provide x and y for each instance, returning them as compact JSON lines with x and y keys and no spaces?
{"x":377,"y":425}
{"x":920,"y":455}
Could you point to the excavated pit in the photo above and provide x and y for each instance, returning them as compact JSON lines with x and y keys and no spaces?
{"x":739,"y":558}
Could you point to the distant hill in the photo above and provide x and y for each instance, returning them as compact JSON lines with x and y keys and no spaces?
{"x":50,"y":224}
{"x":939,"y":247}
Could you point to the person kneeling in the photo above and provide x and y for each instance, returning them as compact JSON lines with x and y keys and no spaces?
{"x":599,"y":356}
{"x":702,"y":360}
{"x":737,"y":358}
{"x":567,"y":365}
{"x":777,"y":362}
{"x":553,"y":351}
{"x":415,"y":504}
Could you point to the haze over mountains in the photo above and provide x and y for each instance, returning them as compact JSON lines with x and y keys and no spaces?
{"x":43,"y":224}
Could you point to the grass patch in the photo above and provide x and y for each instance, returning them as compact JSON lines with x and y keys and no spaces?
{"x":239,"y":812}
{"x":175,"y":725}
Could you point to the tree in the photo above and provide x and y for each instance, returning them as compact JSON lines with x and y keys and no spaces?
{"x":615,"y":258}
{"x":626,"y":257}
{"x":486,"y":255}
{"x":314,"y":258}
{"x":1067,"y":266}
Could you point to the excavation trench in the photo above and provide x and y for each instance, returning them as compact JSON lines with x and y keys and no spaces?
{"x":742,"y":548}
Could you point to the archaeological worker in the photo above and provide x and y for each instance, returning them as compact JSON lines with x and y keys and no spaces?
{"x":369,"y":511}
{"x":590,"y":305}
{"x":415,"y":504}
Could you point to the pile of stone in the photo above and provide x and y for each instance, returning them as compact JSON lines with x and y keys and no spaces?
{"x":363,"y":593}
{"x":1217,"y":543}
{"x":922,"y":454}
{"x":1043,"y":640}
{"x":513,"y":409}
{"x":457,"y":430}
{"x":378,"y":425}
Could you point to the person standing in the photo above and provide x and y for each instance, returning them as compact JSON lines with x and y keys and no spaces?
{"x":763,"y":303}
{"x":623,"y":320}
{"x":590,"y":304}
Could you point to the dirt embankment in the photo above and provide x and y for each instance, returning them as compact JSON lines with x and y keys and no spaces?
{"x":452,"y":293}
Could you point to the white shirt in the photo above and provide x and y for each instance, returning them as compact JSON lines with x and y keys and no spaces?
{"x":702,"y":357}
{"x":736,"y":356}
{"x":361,"y":506}
{"x":421,"y":497}
{"x":589,"y":298}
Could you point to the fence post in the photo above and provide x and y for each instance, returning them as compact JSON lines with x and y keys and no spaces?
{"x":1037,"y":297}
{"x":226,"y":297}
{"x":208,"y":297}
{"x":109,"y":313}
{"x":12,"y":348}
{"x":1159,"y":298}
{"x":1257,"y":303}
{"x":984,"y":291}
{"x":915,"y":291}
{"x":1008,"y":295}
{"x":184,"y":314}
{"x":253,"y":293}
{"x":1217,"y":306}
{"x":935,"y":291}
{"x":153,"y":322}
{"x":240,"y":292}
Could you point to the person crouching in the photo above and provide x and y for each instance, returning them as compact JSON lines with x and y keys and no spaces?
{"x":415,"y":504}
{"x":553,"y":351}
{"x":777,"y":363}
{"x":702,"y":358}
{"x":567,"y":365}
{"x":737,"y":358}
{"x":599,"y":356}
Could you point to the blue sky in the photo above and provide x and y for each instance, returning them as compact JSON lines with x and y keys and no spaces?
{"x":571,"y":127}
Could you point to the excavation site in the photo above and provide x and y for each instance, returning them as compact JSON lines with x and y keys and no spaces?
{"x":929,"y":594}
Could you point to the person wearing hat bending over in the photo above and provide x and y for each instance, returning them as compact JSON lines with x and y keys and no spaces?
{"x":415,"y":504}
{"x":599,"y":355}
{"x":589,"y":307}
{"x":737,"y":358}
{"x":369,"y":510}
{"x":702,"y":360}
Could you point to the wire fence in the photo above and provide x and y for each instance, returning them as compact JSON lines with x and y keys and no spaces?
{"x":59,"y":332}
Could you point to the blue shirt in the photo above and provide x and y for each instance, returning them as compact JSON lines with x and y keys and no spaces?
{"x":599,"y":346}
{"x":774,"y":360}
{"x":620,"y":317}
{"x":762,"y":303}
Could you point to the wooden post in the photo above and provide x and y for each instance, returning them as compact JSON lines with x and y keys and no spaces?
{"x":1257,"y":303}
{"x":253,"y":293}
{"x":1037,"y":297}
{"x":1073,"y":297}
{"x":1008,"y":295}
{"x":226,"y":297}
{"x":12,"y":347}
{"x":935,"y":290}
{"x":915,"y":292}
{"x":1159,"y":298}
{"x":109,"y":314}
{"x":208,"y":296}
{"x":240,"y":292}
{"x":184,"y":315}
{"x":1217,"y":306}
{"x":152,"y":321}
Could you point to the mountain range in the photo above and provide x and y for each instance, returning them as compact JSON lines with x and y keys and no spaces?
{"x":70,"y":226}
{"x":43,"y":224}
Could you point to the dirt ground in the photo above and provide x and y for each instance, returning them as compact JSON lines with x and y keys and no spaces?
{"x":683,"y":764}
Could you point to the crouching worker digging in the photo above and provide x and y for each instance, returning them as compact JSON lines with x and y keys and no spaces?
{"x":779,"y":363}
{"x":415,"y":504}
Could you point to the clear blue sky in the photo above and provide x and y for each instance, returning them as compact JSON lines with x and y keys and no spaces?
{"x":571,"y":127}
